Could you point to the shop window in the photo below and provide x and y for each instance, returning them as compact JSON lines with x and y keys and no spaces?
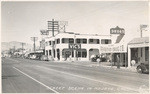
{"x":84,"y":54}
{"x":79,"y":54}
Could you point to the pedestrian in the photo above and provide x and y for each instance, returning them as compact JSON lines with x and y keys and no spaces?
{"x":98,"y":59}
{"x":118,"y":62}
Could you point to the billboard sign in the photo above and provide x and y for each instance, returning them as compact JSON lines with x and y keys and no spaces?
{"x":44,"y":32}
{"x":115,"y":48}
{"x":117,"y":30}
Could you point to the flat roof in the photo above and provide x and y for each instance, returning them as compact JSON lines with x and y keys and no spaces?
{"x":139,"y":40}
{"x":78,"y":35}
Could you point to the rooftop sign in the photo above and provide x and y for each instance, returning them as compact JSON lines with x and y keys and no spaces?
{"x":44,"y":32}
{"x":117,"y":30}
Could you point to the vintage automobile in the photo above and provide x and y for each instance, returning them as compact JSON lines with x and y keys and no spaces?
{"x":44,"y":58}
{"x":94,"y":58}
{"x":143,"y":68}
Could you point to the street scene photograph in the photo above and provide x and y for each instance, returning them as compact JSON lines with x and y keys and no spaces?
{"x":75,"y":46}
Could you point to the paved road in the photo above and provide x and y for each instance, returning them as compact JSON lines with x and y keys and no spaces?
{"x":33,"y":76}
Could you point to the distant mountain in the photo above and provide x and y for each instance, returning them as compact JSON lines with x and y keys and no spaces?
{"x":14,"y":44}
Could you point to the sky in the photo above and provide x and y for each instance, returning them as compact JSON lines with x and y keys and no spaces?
{"x":22,"y":20}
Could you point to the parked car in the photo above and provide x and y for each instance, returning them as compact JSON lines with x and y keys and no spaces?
{"x":95,"y":57}
{"x":44,"y":58}
{"x":32,"y":57}
{"x":143,"y":68}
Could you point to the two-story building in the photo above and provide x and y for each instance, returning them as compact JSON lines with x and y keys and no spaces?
{"x":67,"y":45}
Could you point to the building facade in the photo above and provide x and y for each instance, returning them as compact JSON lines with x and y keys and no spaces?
{"x":138,"y":50}
{"x":68,"y":45}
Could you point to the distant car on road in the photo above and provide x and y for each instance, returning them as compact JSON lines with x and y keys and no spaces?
{"x":143,"y":68}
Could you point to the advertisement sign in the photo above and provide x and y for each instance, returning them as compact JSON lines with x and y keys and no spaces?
{"x":44,"y":32}
{"x":117,"y":30}
{"x":75,"y":46}
{"x":115,"y":48}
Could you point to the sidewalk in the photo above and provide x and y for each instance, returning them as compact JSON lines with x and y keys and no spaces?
{"x":96,"y":64}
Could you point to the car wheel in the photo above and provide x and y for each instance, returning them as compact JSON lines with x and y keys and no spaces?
{"x":139,"y":70}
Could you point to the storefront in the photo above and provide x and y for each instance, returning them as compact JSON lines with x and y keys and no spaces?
{"x":138,"y":51}
{"x":72,"y":46}
{"x":115,"y":50}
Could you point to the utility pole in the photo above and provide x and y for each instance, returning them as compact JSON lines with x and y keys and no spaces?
{"x":34,"y":39}
{"x":53,"y":26}
{"x":56,"y":26}
{"x":143,"y":26}
{"x":22,"y":47}
{"x":141,"y":33}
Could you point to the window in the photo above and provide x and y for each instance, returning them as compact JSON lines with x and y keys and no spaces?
{"x":63,"y":40}
{"x":71,"y":40}
{"x":78,"y":40}
{"x":84,"y":41}
{"x":47,"y":52}
{"x":91,"y":40}
{"x":67,"y":40}
{"x":50,"y":52}
{"x":49,"y":42}
{"x":58,"y":41}
{"x":79,"y":54}
{"x":53,"y":42}
{"x":97,"y":41}
{"x":94,"y":41}
{"x":105,"y":41}
{"x":84,"y":54}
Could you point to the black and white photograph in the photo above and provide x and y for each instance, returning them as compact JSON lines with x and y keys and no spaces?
{"x":75,"y":46}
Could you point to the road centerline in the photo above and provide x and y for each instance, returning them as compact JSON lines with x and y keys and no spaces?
{"x":35,"y":80}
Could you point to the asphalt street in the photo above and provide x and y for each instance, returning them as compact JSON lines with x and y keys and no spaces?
{"x":34,"y":76}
